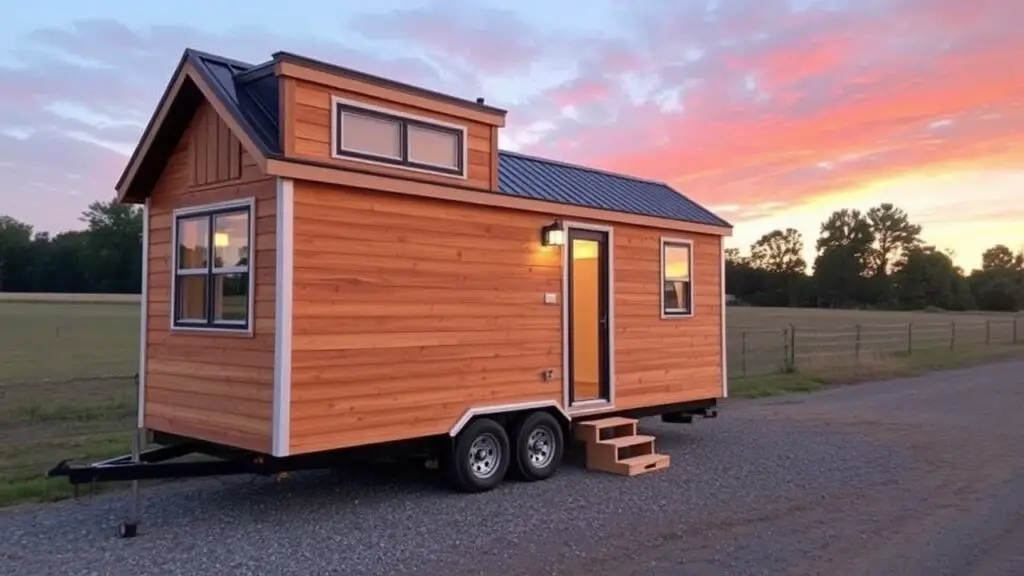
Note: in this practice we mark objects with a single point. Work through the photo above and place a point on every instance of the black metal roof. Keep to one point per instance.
(250, 93)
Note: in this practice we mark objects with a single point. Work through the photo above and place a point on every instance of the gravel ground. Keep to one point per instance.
(915, 476)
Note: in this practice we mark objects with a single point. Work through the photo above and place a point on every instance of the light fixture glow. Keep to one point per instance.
(221, 240)
(553, 234)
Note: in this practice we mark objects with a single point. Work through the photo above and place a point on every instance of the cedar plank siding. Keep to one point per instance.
(663, 361)
(308, 135)
(407, 312)
(211, 386)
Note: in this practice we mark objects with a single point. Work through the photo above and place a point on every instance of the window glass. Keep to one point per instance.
(231, 240)
(433, 147)
(231, 298)
(191, 299)
(676, 282)
(371, 135)
(193, 243)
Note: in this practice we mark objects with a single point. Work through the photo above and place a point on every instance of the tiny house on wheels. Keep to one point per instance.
(337, 260)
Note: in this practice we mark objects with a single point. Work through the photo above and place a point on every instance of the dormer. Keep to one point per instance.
(355, 121)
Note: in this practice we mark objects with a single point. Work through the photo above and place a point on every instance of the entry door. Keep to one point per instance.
(588, 323)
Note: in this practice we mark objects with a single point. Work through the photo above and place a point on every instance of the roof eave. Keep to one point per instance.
(189, 69)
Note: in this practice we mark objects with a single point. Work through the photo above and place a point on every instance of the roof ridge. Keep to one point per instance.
(222, 59)
(583, 167)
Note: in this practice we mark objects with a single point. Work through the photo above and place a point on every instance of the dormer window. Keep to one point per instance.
(369, 134)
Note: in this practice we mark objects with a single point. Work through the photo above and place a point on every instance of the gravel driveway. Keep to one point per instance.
(914, 476)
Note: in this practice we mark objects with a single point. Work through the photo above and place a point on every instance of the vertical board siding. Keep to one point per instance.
(308, 135)
(407, 312)
(211, 386)
(215, 152)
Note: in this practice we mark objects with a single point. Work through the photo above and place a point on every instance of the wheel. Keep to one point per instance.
(127, 529)
(479, 457)
(539, 445)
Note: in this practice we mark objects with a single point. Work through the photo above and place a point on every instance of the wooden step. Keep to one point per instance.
(642, 464)
(604, 428)
(627, 441)
(606, 454)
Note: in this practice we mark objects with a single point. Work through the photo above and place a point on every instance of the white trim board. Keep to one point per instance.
(281, 431)
(500, 409)
(724, 320)
(144, 320)
(567, 225)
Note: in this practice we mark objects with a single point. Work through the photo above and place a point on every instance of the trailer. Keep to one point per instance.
(336, 262)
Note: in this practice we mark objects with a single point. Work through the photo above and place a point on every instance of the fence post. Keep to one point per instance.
(910, 338)
(792, 347)
(988, 332)
(785, 349)
(952, 335)
(743, 353)
(856, 344)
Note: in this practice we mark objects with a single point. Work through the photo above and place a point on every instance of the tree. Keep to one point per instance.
(929, 278)
(114, 246)
(779, 251)
(15, 238)
(844, 245)
(895, 237)
(999, 257)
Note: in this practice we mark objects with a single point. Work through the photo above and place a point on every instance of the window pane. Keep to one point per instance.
(191, 298)
(231, 240)
(433, 147)
(677, 262)
(231, 297)
(677, 295)
(193, 240)
(371, 135)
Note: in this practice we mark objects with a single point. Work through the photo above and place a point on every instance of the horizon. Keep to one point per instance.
(772, 114)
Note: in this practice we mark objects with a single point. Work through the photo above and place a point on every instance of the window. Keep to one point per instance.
(211, 287)
(677, 278)
(370, 135)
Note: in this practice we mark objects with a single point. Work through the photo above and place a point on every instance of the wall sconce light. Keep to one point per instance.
(553, 234)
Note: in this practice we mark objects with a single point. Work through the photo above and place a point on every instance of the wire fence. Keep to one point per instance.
(760, 351)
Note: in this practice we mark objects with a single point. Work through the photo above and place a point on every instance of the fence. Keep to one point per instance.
(757, 351)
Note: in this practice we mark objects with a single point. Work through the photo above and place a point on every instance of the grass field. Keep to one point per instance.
(67, 366)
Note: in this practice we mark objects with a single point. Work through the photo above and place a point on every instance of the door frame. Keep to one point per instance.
(598, 404)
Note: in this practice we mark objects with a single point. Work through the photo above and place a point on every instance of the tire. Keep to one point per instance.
(539, 446)
(479, 457)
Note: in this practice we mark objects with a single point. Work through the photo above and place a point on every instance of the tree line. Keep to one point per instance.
(876, 259)
(104, 258)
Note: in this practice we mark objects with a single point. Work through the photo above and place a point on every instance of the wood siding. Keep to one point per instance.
(216, 153)
(307, 135)
(212, 386)
(662, 361)
(409, 311)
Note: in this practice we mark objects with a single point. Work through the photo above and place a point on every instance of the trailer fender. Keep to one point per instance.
(476, 411)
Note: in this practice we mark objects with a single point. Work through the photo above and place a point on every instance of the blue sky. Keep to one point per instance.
(772, 112)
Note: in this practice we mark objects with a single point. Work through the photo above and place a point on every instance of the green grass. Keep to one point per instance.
(67, 362)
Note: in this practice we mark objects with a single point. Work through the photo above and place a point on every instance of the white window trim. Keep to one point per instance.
(427, 123)
(675, 313)
(245, 326)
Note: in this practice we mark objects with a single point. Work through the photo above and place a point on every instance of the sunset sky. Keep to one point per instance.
(773, 113)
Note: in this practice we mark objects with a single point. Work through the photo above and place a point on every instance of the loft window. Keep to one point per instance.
(212, 265)
(677, 278)
(370, 135)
